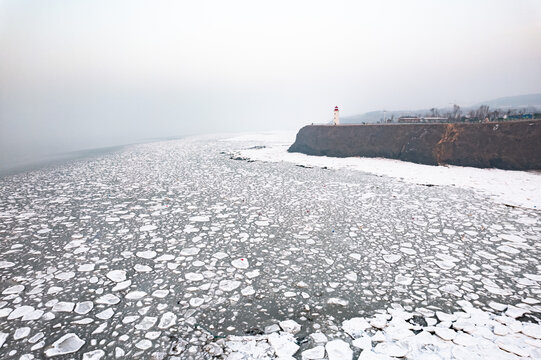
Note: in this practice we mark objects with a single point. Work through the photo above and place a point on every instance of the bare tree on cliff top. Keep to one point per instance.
(456, 111)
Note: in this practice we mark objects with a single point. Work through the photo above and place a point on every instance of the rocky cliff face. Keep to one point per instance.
(508, 145)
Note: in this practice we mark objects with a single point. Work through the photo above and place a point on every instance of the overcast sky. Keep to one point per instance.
(81, 74)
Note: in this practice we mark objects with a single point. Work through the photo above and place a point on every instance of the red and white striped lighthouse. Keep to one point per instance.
(336, 118)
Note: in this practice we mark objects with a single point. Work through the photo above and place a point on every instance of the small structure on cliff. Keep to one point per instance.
(336, 118)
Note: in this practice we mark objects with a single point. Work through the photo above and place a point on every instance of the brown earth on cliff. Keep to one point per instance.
(505, 145)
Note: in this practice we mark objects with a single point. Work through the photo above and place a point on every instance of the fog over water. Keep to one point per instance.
(87, 74)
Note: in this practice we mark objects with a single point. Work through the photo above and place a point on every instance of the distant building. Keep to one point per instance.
(409, 119)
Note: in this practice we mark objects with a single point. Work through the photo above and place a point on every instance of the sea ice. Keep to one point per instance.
(229, 285)
(338, 350)
(67, 344)
(117, 275)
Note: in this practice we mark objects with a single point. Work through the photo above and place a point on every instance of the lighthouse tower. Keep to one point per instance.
(336, 118)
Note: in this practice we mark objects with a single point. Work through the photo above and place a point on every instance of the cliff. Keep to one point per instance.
(505, 145)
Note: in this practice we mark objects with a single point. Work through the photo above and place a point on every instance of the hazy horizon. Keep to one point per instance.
(84, 74)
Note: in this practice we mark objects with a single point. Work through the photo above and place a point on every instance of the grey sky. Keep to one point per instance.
(80, 74)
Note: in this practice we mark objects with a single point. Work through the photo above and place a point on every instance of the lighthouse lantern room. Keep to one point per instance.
(336, 118)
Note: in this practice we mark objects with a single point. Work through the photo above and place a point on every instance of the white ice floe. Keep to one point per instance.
(337, 301)
(67, 344)
(84, 307)
(229, 285)
(86, 267)
(190, 251)
(220, 255)
(117, 275)
(167, 320)
(199, 219)
(147, 254)
(403, 280)
(6, 264)
(148, 228)
(392, 258)
(94, 355)
(290, 326)
(194, 276)
(142, 268)
(108, 299)
(105, 314)
(240, 263)
(121, 285)
(355, 326)
(196, 302)
(15, 289)
(64, 306)
(135, 295)
(338, 350)
(20, 312)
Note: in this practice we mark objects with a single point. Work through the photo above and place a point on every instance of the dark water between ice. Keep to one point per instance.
(177, 217)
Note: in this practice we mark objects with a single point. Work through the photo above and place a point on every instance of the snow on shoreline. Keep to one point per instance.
(395, 333)
(516, 188)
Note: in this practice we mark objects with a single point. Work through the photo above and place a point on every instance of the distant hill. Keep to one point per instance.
(513, 101)
(528, 102)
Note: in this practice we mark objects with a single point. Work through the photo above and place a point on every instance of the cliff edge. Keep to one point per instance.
(505, 145)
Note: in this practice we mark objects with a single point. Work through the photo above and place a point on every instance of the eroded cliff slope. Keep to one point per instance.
(504, 145)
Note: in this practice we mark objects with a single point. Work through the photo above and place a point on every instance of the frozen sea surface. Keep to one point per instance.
(165, 248)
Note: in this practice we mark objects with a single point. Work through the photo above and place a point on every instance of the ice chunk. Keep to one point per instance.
(20, 312)
(146, 323)
(84, 307)
(194, 276)
(121, 285)
(196, 302)
(241, 263)
(117, 275)
(317, 352)
(5, 265)
(21, 333)
(135, 295)
(229, 285)
(403, 280)
(63, 306)
(147, 254)
(167, 320)
(337, 301)
(142, 268)
(15, 289)
(392, 258)
(86, 267)
(93, 355)
(283, 345)
(290, 326)
(355, 326)
(338, 350)
(391, 349)
(108, 299)
(105, 314)
(247, 291)
(189, 251)
(160, 293)
(199, 219)
(67, 344)
(148, 228)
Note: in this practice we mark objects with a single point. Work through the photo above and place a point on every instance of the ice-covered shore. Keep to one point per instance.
(516, 188)
(395, 333)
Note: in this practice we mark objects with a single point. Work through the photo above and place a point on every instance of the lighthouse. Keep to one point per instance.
(336, 118)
